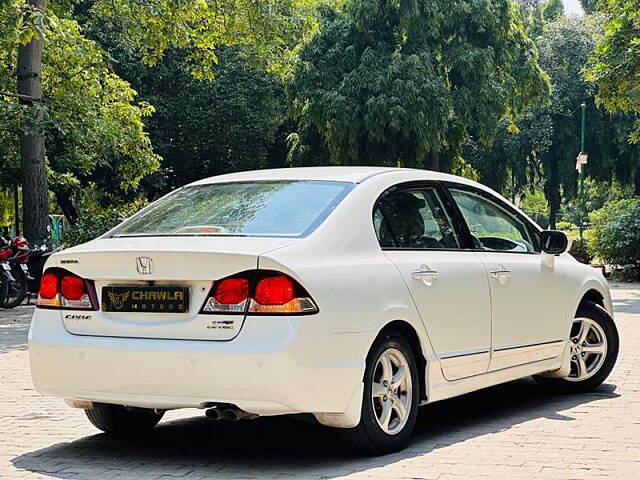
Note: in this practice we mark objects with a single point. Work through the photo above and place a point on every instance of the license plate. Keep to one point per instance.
(145, 299)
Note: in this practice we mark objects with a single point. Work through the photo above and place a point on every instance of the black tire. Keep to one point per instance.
(599, 315)
(16, 290)
(118, 420)
(4, 291)
(368, 437)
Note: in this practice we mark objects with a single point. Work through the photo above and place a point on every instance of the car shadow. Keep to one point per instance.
(272, 447)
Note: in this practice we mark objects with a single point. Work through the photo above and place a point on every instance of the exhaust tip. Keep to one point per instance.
(213, 414)
(230, 414)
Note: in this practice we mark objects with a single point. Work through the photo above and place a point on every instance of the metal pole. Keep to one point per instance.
(583, 108)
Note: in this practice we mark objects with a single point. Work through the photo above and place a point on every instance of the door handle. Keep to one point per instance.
(425, 274)
(502, 274)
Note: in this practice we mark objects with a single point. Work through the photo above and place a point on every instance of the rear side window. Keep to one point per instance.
(414, 219)
(272, 208)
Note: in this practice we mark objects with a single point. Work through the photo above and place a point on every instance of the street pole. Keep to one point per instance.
(583, 108)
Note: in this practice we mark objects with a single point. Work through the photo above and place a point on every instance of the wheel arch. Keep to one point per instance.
(591, 295)
(409, 332)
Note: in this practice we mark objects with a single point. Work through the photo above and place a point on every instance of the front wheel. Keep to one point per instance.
(16, 288)
(390, 399)
(119, 420)
(594, 350)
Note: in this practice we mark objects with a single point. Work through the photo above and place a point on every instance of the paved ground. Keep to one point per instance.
(510, 431)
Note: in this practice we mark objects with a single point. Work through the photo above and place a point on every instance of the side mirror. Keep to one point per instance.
(554, 242)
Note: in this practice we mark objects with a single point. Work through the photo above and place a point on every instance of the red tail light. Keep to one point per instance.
(259, 292)
(48, 286)
(64, 290)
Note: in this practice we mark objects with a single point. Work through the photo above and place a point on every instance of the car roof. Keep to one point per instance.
(340, 174)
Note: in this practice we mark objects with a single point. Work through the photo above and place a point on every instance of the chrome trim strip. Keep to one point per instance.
(525, 345)
(464, 353)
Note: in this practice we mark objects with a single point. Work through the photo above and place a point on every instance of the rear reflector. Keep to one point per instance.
(64, 290)
(259, 292)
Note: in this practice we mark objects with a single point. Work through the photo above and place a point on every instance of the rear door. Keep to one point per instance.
(527, 296)
(448, 285)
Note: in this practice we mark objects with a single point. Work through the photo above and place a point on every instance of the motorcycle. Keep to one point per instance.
(14, 256)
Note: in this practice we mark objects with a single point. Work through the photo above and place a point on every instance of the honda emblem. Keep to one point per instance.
(144, 265)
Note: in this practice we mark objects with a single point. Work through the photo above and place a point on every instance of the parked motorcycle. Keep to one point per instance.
(15, 254)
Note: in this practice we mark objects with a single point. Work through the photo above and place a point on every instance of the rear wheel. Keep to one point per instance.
(390, 399)
(119, 420)
(594, 351)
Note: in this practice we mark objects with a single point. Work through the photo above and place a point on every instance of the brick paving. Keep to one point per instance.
(509, 431)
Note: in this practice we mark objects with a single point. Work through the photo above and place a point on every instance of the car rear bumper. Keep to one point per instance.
(276, 365)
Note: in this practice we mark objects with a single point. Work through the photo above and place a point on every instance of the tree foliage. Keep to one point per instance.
(616, 63)
(91, 120)
(616, 232)
(204, 128)
(395, 83)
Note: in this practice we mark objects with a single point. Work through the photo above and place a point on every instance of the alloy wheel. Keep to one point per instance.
(391, 391)
(588, 349)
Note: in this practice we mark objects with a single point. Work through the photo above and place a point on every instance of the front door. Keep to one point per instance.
(448, 285)
(527, 296)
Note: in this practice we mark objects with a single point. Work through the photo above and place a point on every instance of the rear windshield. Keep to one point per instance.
(270, 208)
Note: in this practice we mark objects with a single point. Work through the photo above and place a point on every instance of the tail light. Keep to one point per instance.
(64, 290)
(259, 292)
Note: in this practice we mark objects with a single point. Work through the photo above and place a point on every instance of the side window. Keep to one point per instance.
(414, 218)
(492, 227)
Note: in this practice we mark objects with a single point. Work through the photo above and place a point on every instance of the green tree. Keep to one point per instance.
(615, 66)
(553, 10)
(589, 6)
(396, 83)
(90, 119)
(203, 128)
(543, 148)
(273, 27)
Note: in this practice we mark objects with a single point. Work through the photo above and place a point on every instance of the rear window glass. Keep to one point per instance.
(270, 208)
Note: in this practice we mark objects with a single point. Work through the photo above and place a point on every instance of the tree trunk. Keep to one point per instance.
(434, 161)
(65, 202)
(553, 214)
(32, 148)
(636, 183)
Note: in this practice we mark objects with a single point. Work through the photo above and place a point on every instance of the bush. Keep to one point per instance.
(615, 237)
(580, 251)
(92, 225)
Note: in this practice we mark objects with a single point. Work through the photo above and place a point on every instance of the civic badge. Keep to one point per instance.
(144, 265)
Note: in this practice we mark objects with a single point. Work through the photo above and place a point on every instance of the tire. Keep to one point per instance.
(4, 291)
(118, 420)
(369, 437)
(17, 290)
(588, 373)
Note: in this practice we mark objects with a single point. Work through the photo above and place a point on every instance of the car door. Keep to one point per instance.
(448, 285)
(527, 296)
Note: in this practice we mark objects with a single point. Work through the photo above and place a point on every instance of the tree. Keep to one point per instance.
(203, 128)
(149, 28)
(552, 10)
(388, 83)
(89, 119)
(32, 146)
(615, 66)
(589, 6)
(543, 148)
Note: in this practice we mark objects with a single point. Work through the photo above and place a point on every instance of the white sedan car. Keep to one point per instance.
(353, 294)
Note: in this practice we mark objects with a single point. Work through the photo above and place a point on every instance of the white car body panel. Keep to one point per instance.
(272, 365)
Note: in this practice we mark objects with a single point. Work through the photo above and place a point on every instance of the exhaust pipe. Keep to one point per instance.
(230, 414)
(213, 413)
